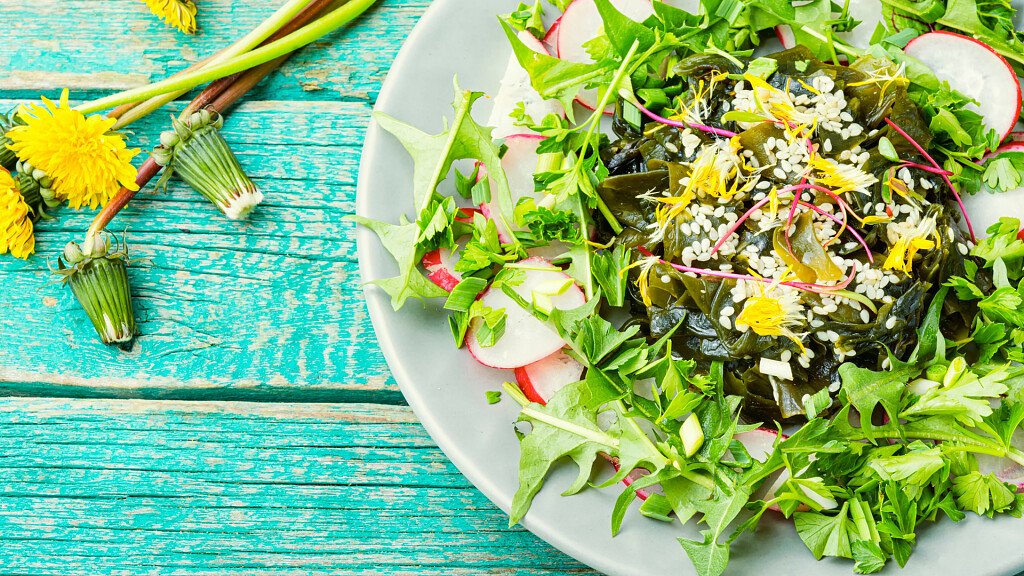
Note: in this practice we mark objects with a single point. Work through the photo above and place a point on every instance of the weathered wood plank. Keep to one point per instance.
(128, 487)
(268, 309)
(97, 47)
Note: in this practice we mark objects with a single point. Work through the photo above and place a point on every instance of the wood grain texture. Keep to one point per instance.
(165, 487)
(94, 47)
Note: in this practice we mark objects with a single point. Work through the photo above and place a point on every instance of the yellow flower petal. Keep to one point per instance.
(178, 13)
(86, 160)
(773, 315)
(16, 233)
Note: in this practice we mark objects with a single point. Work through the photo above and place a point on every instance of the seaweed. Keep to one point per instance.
(649, 162)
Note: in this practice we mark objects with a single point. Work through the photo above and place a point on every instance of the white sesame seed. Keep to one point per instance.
(890, 323)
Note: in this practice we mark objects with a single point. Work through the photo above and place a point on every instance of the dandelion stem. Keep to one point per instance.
(290, 43)
(133, 112)
(219, 98)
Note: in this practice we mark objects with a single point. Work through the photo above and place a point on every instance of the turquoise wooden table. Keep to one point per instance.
(254, 428)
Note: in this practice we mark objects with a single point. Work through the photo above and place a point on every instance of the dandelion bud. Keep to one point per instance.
(203, 159)
(73, 253)
(99, 280)
(168, 138)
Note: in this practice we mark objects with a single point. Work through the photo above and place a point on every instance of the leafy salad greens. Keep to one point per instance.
(687, 245)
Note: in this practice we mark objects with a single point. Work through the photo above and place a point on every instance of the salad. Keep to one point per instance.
(755, 258)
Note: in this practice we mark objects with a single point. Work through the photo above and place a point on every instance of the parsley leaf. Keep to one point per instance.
(983, 494)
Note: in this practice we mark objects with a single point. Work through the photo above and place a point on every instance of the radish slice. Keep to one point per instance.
(581, 23)
(986, 207)
(440, 266)
(1005, 469)
(1015, 137)
(550, 40)
(519, 164)
(691, 6)
(869, 14)
(526, 339)
(975, 70)
(516, 88)
(552, 251)
(539, 381)
(785, 35)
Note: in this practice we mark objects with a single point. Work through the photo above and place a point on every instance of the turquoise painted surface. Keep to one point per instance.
(254, 428)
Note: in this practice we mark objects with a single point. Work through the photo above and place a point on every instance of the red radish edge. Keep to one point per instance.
(540, 380)
(1009, 68)
(550, 40)
(785, 35)
(633, 476)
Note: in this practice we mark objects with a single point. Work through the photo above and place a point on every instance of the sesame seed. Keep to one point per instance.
(890, 323)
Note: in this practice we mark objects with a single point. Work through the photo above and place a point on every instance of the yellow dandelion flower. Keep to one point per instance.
(909, 242)
(774, 313)
(646, 265)
(778, 105)
(178, 13)
(838, 177)
(87, 162)
(16, 234)
(699, 107)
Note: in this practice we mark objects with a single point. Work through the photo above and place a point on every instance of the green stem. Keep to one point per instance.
(245, 44)
(593, 436)
(516, 394)
(595, 121)
(845, 49)
(290, 43)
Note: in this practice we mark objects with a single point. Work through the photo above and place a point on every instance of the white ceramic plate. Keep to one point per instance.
(446, 387)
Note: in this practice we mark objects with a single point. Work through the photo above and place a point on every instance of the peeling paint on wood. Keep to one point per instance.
(202, 488)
